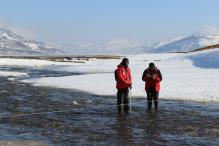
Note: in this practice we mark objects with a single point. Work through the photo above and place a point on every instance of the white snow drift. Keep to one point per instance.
(206, 59)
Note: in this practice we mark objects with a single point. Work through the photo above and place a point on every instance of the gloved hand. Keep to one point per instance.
(153, 76)
(148, 75)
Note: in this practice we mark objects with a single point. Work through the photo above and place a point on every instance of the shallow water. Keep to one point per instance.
(95, 121)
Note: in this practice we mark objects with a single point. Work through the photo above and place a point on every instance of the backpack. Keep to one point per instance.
(116, 75)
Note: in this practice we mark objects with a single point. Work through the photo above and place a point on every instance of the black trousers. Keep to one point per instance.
(122, 98)
(152, 95)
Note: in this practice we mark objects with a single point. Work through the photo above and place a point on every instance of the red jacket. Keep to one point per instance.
(124, 77)
(152, 83)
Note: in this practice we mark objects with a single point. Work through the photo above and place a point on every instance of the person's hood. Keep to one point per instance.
(120, 65)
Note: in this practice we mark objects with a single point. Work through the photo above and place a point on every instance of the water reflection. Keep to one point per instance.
(123, 129)
(152, 127)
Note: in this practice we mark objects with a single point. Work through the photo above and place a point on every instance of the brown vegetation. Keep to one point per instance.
(206, 48)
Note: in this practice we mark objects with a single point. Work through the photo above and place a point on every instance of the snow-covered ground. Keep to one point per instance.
(183, 79)
(191, 76)
(13, 74)
(30, 62)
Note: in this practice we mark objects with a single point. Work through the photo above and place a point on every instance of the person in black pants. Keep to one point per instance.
(152, 78)
(122, 98)
(152, 95)
(123, 84)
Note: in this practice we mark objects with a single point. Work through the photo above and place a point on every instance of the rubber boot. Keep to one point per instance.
(156, 105)
(149, 105)
(126, 108)
(119, 108)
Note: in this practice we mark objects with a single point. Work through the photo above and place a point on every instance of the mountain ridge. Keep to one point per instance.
(13, 44)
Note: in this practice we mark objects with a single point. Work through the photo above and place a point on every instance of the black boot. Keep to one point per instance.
(119, 108)
(149, 105)
(156, 105)
(126, 108)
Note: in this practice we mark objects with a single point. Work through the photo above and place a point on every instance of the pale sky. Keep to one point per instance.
(59, 22)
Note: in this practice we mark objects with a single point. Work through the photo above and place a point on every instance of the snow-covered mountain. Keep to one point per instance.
(180, 44)
(185, 44)
(13, 44)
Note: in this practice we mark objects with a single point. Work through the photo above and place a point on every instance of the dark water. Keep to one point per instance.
(94, 121)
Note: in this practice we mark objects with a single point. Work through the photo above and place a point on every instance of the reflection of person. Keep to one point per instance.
(123, 130)
(124, 83)
(152, 129)
(152, 77)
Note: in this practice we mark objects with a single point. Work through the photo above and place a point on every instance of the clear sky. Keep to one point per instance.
(59, 22)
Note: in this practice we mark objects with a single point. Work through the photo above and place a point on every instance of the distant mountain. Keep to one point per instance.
(186, 44)
(112, 47)
(13, 44)
(180, 44)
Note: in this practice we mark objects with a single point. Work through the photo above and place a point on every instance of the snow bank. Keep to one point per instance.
(102, 84)
(181, 79)
(206, 59)
(12, 74)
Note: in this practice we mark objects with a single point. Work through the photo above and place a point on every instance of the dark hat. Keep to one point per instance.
(151, 65)
(125, 61)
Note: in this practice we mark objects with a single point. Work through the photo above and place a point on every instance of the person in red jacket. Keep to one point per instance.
(152, 77)
(123, 84)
